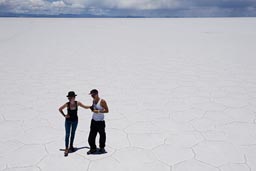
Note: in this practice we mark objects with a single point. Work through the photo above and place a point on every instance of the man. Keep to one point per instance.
(98, 108)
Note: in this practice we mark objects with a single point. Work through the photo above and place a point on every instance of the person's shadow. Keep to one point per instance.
(80, 148)
(76, 149)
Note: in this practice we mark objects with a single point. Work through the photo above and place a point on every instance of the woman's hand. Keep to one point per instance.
(92, 108)
(67, 116)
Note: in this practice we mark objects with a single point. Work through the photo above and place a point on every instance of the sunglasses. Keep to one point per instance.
(93, 95)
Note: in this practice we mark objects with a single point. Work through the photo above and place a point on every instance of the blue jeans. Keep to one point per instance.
(70, 126)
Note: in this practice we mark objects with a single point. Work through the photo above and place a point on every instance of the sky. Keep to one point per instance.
(144, 8)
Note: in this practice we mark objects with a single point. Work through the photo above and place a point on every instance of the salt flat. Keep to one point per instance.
(181, 93)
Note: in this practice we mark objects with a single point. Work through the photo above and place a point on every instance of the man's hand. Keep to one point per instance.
(96, 111)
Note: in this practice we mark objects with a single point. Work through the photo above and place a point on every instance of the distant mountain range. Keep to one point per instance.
(129, 14)
(64, 16)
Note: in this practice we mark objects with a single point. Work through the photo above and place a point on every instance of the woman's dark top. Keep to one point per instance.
(72, 113)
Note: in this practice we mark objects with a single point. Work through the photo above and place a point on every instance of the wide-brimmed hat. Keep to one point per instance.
(71, 94)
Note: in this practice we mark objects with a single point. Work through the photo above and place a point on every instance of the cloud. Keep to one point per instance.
(37, 7)
(130, 4)
(132, 7)
(58, 4)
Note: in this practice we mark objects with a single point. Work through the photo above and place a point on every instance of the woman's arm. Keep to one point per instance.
(61, 110)
(83, 106)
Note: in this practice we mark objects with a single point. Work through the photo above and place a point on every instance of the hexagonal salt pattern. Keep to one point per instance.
(27, 155)
(181, 93)
(193, 165)
(137, 159)
(172, 154)
(221, 153)
(23, 169)
(58, 162)
(235, 167)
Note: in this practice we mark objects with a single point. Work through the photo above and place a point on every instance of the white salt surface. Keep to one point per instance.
(181, 93)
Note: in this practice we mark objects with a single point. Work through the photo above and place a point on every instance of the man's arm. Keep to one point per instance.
(103, 103)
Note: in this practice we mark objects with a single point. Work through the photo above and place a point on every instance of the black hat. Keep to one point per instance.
(71, 94)
(93, 92)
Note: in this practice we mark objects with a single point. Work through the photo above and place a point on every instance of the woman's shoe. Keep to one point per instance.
(66, 152)
(72, 149)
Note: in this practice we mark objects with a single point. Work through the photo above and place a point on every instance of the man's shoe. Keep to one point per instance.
(91, 151)
(102, 150)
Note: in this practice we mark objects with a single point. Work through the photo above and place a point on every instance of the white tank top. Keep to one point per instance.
(98, 116)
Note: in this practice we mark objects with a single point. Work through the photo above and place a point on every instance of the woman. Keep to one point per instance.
(71, 120)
